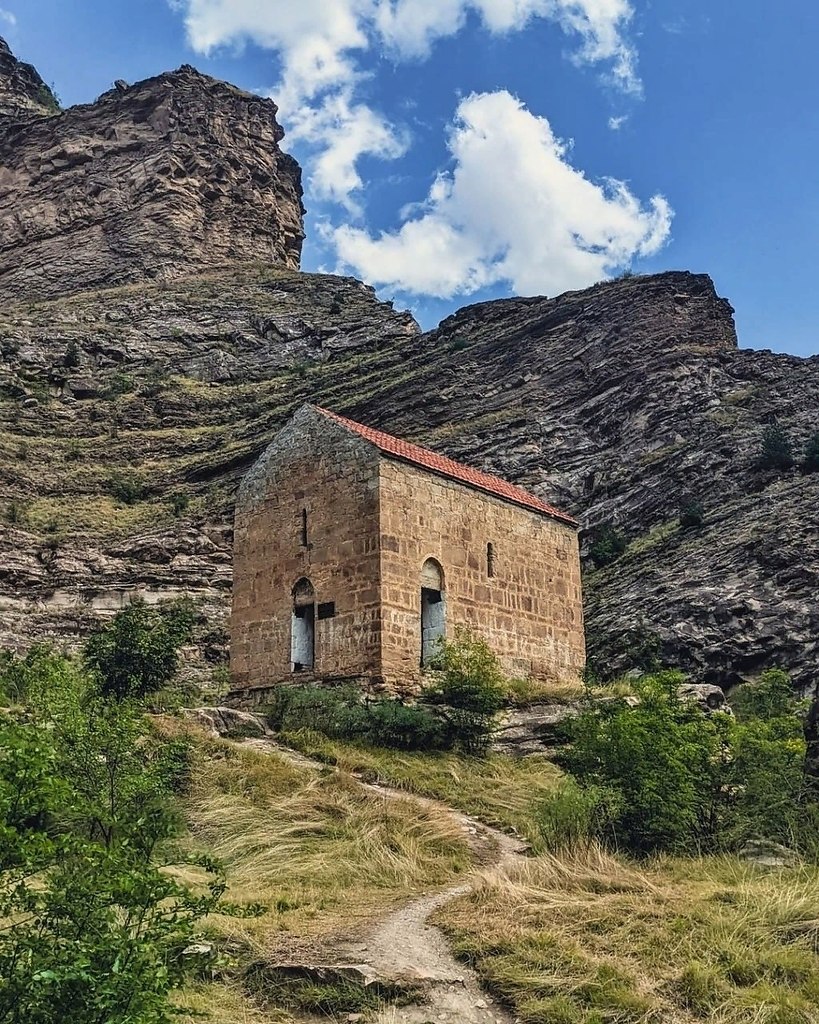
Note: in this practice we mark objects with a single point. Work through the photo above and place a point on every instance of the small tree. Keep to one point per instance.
(607, 546)
(810, 463)
(100, 925)
(137, 653)
(468, 686)
(692, 514)
(661, 761)
(775, 449)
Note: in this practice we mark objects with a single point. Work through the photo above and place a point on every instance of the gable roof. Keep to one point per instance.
(404, 451)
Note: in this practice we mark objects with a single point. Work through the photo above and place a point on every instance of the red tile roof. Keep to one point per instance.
(429, 460)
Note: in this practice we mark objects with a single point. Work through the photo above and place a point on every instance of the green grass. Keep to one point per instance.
(586, 938)
(501, 791)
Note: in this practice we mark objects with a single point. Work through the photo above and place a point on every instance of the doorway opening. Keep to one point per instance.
(433, 610)
(303, 627)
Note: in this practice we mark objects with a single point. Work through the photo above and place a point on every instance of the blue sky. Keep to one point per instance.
(457, 150)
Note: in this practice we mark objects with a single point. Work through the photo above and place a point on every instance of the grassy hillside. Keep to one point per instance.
(586, 937)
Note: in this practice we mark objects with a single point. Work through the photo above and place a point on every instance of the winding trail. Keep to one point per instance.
(404, 947)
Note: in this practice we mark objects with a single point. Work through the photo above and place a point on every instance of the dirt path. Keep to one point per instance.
(404, 947)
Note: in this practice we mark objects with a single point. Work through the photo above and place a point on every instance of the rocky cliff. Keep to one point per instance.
(127, 418)
(23, 93)
(128, 415)
(172, 175)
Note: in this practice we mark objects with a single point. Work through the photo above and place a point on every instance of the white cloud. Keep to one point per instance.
(320, 44)
(616, 123)
(8, 17)
(343, 131)
(512, 210)
(411, 26)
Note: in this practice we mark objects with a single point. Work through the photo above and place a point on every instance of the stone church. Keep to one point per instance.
(356, 551)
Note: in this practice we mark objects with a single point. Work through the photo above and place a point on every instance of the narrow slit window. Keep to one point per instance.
(490, 559)
(304, 538)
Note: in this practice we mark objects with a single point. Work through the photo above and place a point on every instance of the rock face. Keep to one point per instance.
(174, 174)
(23, 94)
(127, 418)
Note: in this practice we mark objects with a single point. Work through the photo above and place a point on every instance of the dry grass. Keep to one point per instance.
(218, 1003)
(317, 850)
(501, 791)
(585, 938)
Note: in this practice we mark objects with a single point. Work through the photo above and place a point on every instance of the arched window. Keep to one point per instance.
(303, 627)
(433, 609)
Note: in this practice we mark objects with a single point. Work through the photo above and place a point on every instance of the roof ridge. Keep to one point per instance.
(426, 458)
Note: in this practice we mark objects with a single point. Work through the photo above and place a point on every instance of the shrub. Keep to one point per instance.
(810, 462)
(576, 816)
(663, 760)
(71, 357)
(770, 696)
(692, 515)
(179, 503)
(468, 687)
(15, 513)
(341, 713)
(680, 780)
(457, 707)
(137, 653)
(775, 450)
(607, 546)
(100, 925)
(126, 487)
(121, 384)
(405, 726)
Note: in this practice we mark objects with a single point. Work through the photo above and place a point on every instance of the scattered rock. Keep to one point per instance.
(709, 697)
(769, 854)
(532, 730)
(227, 722)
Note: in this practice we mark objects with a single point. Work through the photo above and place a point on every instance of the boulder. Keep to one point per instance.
(228, 723)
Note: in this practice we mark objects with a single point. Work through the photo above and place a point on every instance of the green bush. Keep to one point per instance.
(609, 543)
(663, 760)
(86, 816)
(810, 462)
(457, 708)
(71, 357)
(126, 487)
(674, 778)
(692, 515)
(770, 696)
(137, 653)
(576, 815)
(342, 713)
(405, 726)
(775, 449)
(468, 687)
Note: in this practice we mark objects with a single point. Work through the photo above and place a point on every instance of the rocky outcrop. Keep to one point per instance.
(127, 418)
(226, 723)
(172, 175)
(23, 94)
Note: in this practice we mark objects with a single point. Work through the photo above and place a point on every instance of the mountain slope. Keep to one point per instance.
(128, 416)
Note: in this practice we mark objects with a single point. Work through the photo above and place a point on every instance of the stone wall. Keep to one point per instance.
(317, 466)
(530, 610)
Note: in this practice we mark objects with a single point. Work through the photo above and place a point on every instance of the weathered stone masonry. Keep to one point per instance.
(348, 555)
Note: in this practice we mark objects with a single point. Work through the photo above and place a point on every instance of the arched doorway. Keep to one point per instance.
(433, 609)
(303, 628)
